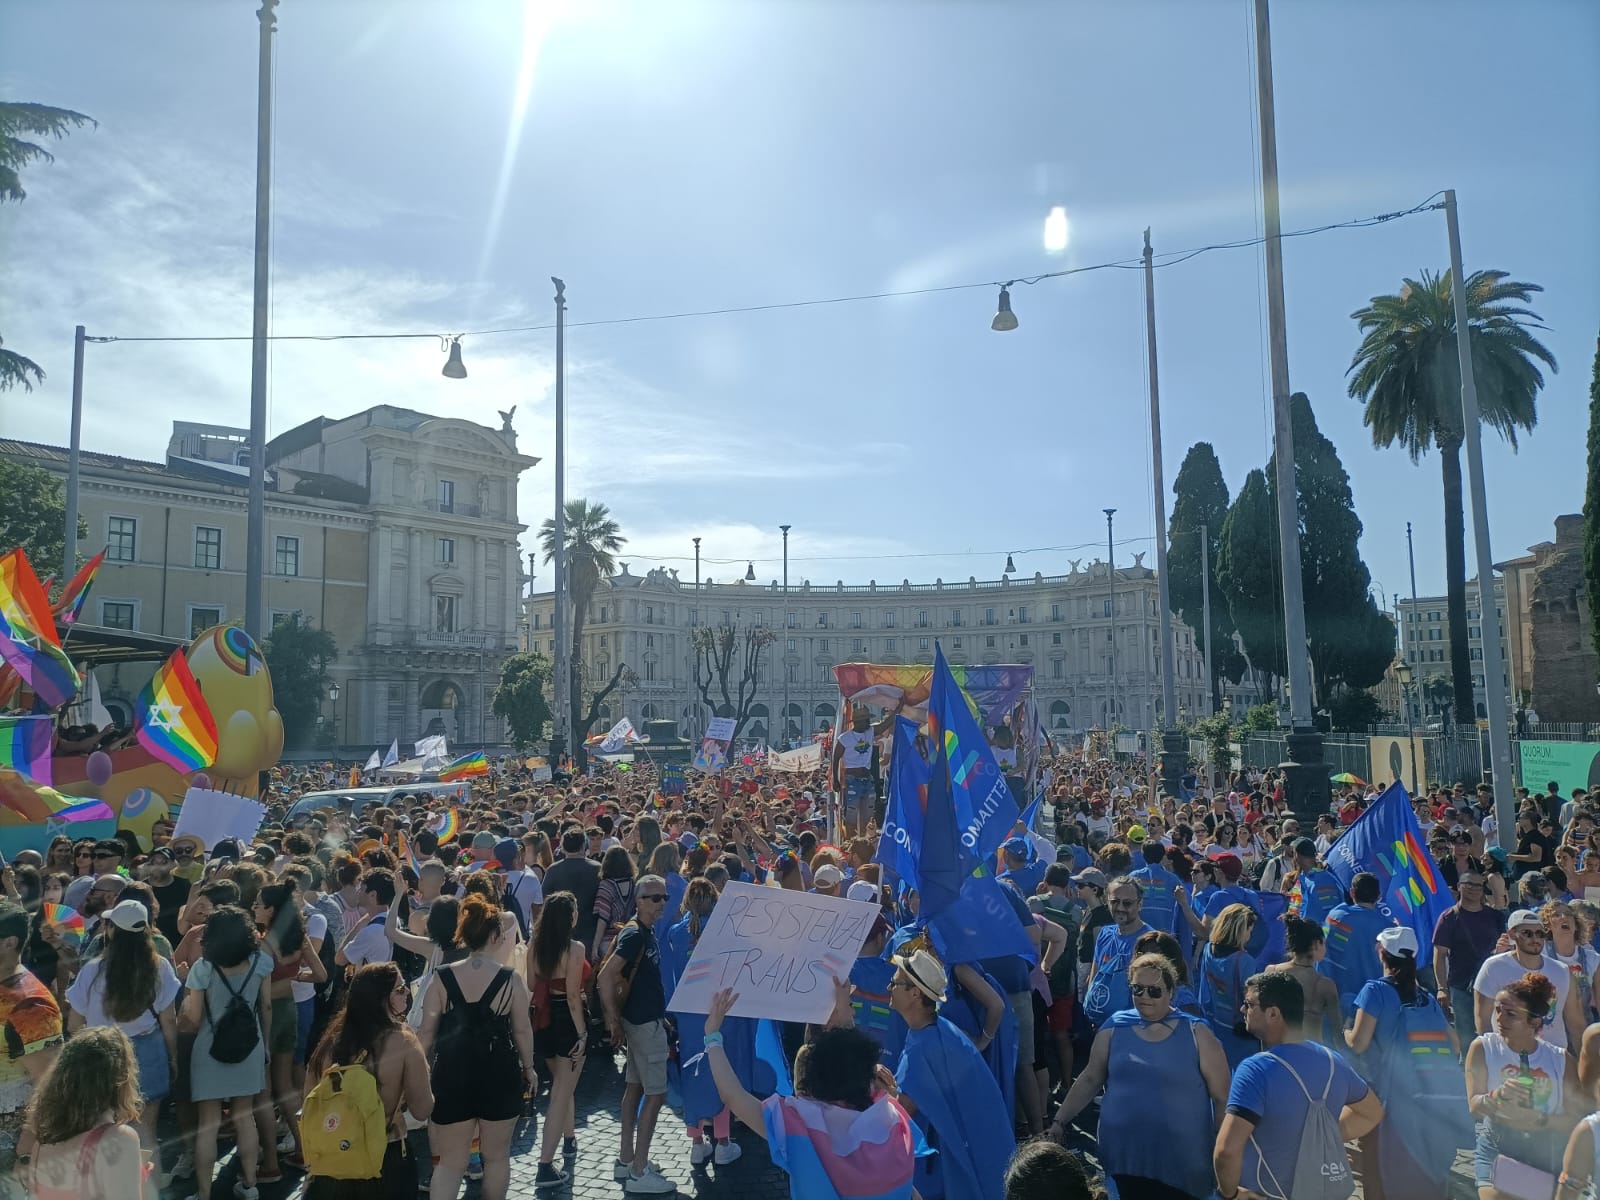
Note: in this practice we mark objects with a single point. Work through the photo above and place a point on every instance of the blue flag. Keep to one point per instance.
(941, 864)
(985, 811)
(1031, 813)
(1387, 841)
(901, 840)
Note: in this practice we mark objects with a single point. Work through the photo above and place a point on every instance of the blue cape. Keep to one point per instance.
(960, 1112)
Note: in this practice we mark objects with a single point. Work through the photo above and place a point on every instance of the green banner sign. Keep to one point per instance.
(1570, 764)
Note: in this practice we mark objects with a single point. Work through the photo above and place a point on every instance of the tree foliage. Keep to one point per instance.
(1591, 506)
(1247, 570)
(519, 698)
(1351, 641)
(1407, 373)
(727, 658)
(298, 654)
(593, 541)
(1218, 735)
(1354, 710)
(33, 515)
(1200, 500)
(20, 123)
(1259, 718)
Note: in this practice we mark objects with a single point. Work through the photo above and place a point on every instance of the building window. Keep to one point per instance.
(122, 535)
(955, 643)
(922, 618)
(602, 614)
(649, 614)
(791, 620)
(1436, 635)
(286, 555)
(536, 620)
(955, 617)
(649, 670)
(447, 550)
(1055, 639)
(1058, 668)
(822, 620)
(1024, 641)
(789, 673)
(207, 548)
(988, 642)
(447, 495)
(202, 619)
(988, 616)
(791, 646)
(116, 614)
(1107, 604)
(1022, 615)
(922, 643)
(855, 620)
(1055, 612)
(444, 614)
(858, 645)
(888, 619)
(890, 644)
(649, 641)
(822, 645)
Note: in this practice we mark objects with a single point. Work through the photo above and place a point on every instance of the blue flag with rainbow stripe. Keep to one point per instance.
(1387, 841)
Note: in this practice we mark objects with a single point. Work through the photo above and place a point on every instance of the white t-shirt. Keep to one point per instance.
(1499, 970)
(87, 997)
(857, 748)
(316, 929)
(370, 944)
(525, 887)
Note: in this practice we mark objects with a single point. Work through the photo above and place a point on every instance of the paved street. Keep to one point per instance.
(753, 1177)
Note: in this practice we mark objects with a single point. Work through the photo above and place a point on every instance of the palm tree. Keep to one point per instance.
(1407, 374)
(592, 542)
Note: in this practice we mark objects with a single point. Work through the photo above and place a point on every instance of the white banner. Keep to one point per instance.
(720, 729)
(780, 950)
(807, 758)
(211, 816)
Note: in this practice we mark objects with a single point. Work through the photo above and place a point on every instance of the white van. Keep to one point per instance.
(355, 801)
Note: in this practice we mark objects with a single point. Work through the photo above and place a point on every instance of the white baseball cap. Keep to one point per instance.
(863, 889)
(129, 914)
(1397, 940)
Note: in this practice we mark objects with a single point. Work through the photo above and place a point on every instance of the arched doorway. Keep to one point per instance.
(442, 710)
(822, 717)
(756, 728)
(1060, 714)
(794, 720)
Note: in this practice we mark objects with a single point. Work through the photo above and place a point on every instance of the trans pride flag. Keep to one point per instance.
(173, 721)
(1387, 841)
(834, 1153)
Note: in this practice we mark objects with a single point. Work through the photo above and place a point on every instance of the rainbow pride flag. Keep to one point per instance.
(25, 746)
(449, 826)
(173, 721)
(466, 767)
(28, 638)
(69, 920)
(69, 605)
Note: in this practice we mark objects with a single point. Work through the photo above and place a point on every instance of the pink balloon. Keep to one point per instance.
(98, 768)
(200, 780)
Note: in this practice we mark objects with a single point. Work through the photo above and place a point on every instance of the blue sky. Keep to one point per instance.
(690, 155)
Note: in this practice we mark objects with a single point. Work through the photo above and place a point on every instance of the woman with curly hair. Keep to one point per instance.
(277, 916)
(85, 1147)
(371, 1029)
(133, 988)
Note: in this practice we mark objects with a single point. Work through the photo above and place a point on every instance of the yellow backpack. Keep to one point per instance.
(343, 1128)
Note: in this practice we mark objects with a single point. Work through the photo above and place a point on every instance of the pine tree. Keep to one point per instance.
(1200, 498)
(1247, 569)
(1351, 641)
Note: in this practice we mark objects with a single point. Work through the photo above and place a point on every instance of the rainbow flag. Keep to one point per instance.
(69, 606)
(25, 746)
(173, 721)
(28, 634)
(465, 767)
(69, 920)
(449, 827)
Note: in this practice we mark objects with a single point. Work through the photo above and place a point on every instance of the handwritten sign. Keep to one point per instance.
(673, 782)
(212, 816)
(779, 950)
(719, 729)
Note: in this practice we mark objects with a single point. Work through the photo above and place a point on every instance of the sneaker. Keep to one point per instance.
(285, 1144)
(651, 1183)
(620, 1170)
(240, 1192)
(549, 1175)
(698, 1153)
(726, 1153)
(184, 1167)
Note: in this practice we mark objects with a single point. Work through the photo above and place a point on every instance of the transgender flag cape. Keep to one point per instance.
(834, 1153)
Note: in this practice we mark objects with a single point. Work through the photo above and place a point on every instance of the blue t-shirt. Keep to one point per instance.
(1108, 993)
(1352, 960)
(1266, 1094)
(1320, 893)
(1026, 878)
(1160, 908)
(1012, 972)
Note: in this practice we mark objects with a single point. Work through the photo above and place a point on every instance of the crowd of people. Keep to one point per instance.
(372, 1000)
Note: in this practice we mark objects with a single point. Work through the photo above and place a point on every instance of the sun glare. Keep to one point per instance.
(1055, 230)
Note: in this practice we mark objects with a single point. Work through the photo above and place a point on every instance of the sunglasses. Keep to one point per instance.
(1153, 991)
(902, 983)
(1538, 933)
(658, 897)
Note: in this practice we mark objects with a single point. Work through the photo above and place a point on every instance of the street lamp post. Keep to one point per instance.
(785, 529)
(699, 713)
(558, 557)
(333, 698)
(256, 505)
(1111, 611)
(1403, 676)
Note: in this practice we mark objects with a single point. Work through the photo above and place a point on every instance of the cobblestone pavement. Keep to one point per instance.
(752, 1177)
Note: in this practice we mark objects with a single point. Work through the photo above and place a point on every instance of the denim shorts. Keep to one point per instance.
(155, 1074)
(858, 793)
(305, 1012)
(1539, 1148)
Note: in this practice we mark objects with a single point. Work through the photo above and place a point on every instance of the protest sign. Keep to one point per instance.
(713, 752)
(780, 950)
(805, 759)
(211, 816)
(719, 729)
(673, 782)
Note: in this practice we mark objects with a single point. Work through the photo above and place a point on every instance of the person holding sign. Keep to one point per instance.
(843, 1098)
(948, 1089)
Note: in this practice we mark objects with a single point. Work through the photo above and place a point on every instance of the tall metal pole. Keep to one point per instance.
(1308, 786)
(1173, 743)
(699, 714)
(1205, 618)
(785, 529)
(1411, 556)
(558, 560)
(255, 542)
(1111, 611)
(69, 555)
(1494, 666)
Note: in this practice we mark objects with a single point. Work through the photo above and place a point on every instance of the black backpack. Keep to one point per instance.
(236, 1033)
